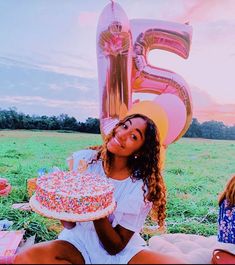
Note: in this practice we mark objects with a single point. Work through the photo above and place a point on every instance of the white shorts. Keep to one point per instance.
(94, 253)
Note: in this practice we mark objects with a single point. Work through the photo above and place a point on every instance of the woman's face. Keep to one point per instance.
(128, 137)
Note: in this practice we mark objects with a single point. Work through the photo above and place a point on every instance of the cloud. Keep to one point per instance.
(217, 35)
(55, 87)
(58, 62)
(201, 99)
(88, 19)
(80, 109)
(194, 11)
(31, 100)
(204, 10)
(205, 108)
(70, 63)
(18, 79)
(221, 114)
(69, 70)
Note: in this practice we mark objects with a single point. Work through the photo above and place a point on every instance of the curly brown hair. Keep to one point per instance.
(229, 192)
(146, 167)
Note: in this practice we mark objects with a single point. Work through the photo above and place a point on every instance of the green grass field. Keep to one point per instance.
(195, 171)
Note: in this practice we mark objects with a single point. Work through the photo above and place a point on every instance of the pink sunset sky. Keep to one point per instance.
(59, 37)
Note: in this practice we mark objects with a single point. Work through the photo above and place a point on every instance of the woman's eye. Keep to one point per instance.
(124, 126)
(134, 136)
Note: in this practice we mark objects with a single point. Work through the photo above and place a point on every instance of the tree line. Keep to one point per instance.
(11, 119)
(210, 130)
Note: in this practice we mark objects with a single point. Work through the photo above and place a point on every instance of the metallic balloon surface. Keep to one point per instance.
(123, 68)
(169, 36)
(114, 58)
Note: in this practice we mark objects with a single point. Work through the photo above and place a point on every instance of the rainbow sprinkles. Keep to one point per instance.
(72, 196)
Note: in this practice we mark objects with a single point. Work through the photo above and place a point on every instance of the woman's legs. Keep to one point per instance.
(152, 257)
(52, 252)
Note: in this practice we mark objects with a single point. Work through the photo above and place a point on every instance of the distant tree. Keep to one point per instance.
(93, 125)
(40, 122)
(68, 123)
(213, 130)
(3, 120)
(13, 118)
(27, 122)
(230, 133)
(194, 129)
(54, 123)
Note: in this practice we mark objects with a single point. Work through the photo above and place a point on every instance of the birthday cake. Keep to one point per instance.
(72, 196)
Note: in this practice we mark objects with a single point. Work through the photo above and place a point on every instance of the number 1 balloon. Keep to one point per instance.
(114, 57)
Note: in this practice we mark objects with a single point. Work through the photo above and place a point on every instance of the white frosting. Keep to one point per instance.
(37, 207)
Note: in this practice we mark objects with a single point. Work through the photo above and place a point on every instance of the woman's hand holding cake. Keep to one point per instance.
(68, 225)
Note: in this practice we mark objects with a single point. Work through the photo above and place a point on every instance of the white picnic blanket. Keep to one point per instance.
(194, 249)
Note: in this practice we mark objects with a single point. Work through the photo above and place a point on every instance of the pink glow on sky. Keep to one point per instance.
(210, 66)
(88, 19)
(61, 38)
(207, 10)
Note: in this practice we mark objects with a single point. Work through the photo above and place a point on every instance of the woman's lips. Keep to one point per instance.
(118, 142)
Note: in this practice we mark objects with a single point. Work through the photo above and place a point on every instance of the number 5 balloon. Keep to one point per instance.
(169, 36)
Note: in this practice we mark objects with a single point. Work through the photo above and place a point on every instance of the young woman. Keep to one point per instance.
(130, 158)
(226, 218)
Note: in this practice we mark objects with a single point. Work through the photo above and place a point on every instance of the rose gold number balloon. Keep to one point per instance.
(169, 36)
(123, 68)
(114, 57)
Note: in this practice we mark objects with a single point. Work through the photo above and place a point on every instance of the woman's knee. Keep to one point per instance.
(67, 251)
(31, 254)
(50, 252)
